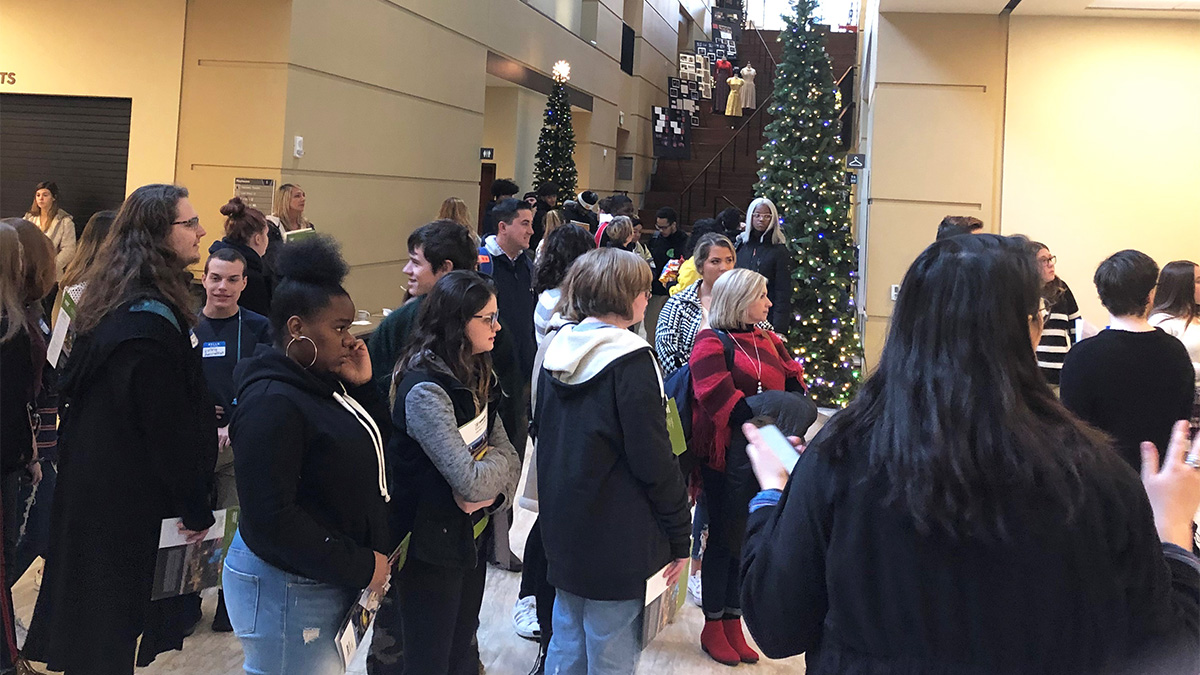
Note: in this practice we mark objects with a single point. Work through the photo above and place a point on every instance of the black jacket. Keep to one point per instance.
(138, 444)
(515, 301)
(16, 393)
(833, 571)
(308, 472)
(539, 222)
(665, 249)
(422, 500)
(257, 296)
(612, 505)
(774, 262)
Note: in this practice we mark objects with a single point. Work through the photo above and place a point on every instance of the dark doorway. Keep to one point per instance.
(79, 142)
(487, 176)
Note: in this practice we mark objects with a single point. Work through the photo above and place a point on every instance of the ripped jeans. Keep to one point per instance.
(287, 624)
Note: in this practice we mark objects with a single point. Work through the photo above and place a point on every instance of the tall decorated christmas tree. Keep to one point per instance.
(556, 143)
(799, 172)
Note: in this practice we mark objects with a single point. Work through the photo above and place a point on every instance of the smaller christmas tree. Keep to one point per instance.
(556, 143)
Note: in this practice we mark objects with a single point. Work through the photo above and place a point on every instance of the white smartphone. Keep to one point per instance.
(780, 445)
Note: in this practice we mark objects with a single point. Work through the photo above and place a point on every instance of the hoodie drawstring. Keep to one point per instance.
(364, 418)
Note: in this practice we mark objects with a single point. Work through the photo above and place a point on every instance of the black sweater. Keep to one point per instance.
(774, 262)
(1134, 386)
(834, 572)
(16, 393)
(257, 296)
(307, 472)
(612, 505)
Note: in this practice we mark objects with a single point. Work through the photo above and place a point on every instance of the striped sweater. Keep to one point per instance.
(721, 394)
(1058, 331)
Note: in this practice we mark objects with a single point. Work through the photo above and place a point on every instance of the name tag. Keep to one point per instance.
(212, 350)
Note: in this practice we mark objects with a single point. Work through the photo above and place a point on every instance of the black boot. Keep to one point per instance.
(220, 622)
(539, 666)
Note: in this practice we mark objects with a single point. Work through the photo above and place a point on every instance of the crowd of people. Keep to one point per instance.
(977, 508)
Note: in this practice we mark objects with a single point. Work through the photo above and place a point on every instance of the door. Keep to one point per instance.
(487, 176)
(79, 142)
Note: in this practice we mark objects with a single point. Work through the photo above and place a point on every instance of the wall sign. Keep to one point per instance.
(856, 161)
(257, 193)
(8, 78)
(487, 153)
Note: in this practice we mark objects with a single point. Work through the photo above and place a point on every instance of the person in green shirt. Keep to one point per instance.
(433, 250)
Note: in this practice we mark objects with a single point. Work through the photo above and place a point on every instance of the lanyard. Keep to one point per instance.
(239, 348)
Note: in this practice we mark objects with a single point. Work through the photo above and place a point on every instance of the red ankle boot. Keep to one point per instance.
(737, 640)
(715, 644)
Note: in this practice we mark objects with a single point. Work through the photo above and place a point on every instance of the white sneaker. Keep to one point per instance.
(694, 588)
(524, 618)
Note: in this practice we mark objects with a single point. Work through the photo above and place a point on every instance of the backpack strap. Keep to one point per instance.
(727, 343)
(156, 307)
(484, 261)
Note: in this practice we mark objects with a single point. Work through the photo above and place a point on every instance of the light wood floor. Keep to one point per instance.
(676, 651)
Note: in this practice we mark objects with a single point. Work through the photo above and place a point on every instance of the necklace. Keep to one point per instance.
(756, 360)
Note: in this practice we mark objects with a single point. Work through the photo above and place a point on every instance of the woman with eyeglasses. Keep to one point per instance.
(1060, 314)
(452, 466)
(762, 247)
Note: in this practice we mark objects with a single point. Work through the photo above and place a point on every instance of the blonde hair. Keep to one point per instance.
(603, 281)
(12, 279)
(732, 295)
(283, 198)
(706, 244)
(455, 209)
(619, 229)
(553, 221)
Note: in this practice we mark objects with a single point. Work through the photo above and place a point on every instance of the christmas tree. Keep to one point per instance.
(799, 172)
(556, 143)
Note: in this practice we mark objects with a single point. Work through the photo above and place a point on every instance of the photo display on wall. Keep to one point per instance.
(672, 133)
(706, 48)
(684, 96)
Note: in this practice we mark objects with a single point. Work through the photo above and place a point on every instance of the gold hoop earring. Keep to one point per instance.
(302, 337)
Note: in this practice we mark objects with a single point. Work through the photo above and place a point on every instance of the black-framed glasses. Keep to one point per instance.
(192, 223)
(1048, 261)
(493, 318)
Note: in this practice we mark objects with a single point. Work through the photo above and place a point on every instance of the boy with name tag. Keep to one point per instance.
(226, 334)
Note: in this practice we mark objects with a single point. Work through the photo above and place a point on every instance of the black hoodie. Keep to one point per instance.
(257, 296)
(308, 470)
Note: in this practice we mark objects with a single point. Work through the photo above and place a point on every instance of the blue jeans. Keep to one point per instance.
(287, 624)
(36, 538)
(594, 637)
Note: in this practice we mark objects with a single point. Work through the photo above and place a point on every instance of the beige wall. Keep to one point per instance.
(232, 101)
(936, 135)
(1103, 142)
(393, 102)
(92, 56)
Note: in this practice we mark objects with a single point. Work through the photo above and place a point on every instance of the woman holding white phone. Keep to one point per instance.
(732, 361)
(955, 517)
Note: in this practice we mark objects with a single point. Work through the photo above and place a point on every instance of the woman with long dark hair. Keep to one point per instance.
(308, 436)
(559, 252)
(1177, 309)
(1059, 329)
(246, 232)
(453, 465)
(54, 222)
(88, 246)
(138, 443)
(955, 517)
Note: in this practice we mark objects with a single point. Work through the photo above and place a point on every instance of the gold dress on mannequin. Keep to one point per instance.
(734, 107)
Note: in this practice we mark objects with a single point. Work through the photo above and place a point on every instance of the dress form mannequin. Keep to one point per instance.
(721, 94)
(749, 93)
(734, 107)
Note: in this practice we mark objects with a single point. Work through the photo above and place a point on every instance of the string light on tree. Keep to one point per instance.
(556, 143)
(800, 174)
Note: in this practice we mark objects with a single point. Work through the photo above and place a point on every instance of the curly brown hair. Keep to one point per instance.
(136, 258)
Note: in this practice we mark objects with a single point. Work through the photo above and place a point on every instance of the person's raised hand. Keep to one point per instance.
(1174, 489)
(357, 369)
(767, 467)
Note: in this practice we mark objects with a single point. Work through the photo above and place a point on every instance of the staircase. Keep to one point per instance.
(724, 164)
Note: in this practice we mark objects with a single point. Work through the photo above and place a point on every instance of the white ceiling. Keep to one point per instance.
(1190, 9)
